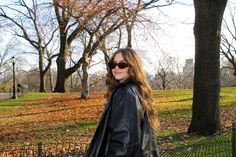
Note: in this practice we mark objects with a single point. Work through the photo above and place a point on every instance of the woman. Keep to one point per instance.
(129, 118)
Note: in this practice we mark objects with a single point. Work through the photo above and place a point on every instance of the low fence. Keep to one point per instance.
(4, 96)
(219, 145)
(70, 149)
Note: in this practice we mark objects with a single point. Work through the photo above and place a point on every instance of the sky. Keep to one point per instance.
(177, 38)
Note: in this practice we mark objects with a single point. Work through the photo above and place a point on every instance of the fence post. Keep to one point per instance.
(234, 139)
(40, 149)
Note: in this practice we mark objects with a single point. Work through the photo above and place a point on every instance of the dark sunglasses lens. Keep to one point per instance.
(112, 65)
(122, 65)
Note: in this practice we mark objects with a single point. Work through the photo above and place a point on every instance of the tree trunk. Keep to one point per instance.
(129, 32)
(41, 73)
(71, 80)
(207, 31)
(51, 79)
(42, 82)
(61, 64)
(85, 79)
(60, 83)
(234, 66)
(105, 53)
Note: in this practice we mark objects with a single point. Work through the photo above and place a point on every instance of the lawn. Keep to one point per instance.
(56, 117)
(9, 104)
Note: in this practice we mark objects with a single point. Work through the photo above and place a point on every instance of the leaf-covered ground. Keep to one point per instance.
(59, 117)
(66, 117)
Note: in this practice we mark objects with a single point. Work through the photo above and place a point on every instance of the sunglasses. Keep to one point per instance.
(121, 65)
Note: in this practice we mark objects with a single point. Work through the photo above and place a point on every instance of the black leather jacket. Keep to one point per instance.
(121, 132)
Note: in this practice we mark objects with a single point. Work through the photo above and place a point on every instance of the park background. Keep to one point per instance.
(33, 44)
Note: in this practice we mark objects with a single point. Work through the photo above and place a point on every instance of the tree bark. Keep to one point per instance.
(129, 32)
(50, 79)
(85, 78)
(207, 32)
(41, 71)
(61, 69)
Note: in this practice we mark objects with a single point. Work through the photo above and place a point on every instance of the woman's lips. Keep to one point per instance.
(117, 73)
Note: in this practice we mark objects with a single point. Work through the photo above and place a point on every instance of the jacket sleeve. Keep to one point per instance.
(124, 125)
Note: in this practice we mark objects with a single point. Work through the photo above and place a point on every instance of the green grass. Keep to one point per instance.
(178, 103)
(8, 104)
(61, 131)
(175, 104)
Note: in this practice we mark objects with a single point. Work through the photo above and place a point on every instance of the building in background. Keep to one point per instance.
(188, 68)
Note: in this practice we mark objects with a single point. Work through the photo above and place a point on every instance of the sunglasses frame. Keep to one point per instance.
(121, 65)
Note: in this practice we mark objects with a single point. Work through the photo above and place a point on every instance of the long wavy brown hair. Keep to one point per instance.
(138, 75)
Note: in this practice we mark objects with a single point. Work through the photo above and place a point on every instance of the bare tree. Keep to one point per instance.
(111, 42)
(7, 49)
(5, 58)
(228, 41)
(131, 11)
(227, 77)
(30, 21)
(165, 73)
(129, 20)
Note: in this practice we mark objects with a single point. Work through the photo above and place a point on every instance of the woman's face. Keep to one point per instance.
(118, 73)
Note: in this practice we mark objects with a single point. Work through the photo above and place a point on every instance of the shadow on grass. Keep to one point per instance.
(183, 144)
(230, 105)
(44, 112)
(181, 100)
(59, 132)
(81, 128)
(175, 113)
